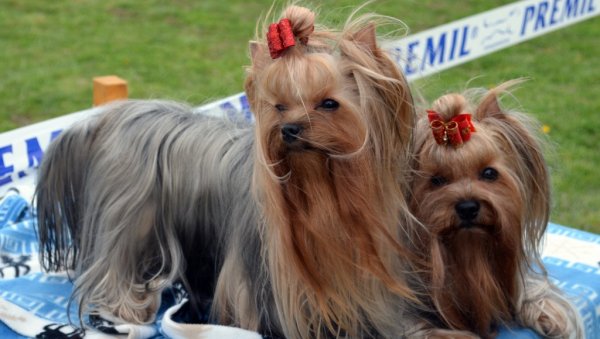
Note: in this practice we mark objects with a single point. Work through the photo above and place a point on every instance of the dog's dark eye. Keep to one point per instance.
(280, 107)
(438, 181)
(489, 174)
(329, 105)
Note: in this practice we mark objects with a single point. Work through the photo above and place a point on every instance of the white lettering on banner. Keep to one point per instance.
(419, 55)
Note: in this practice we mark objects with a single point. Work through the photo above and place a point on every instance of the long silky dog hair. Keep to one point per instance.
(292, 226)
(485, 202)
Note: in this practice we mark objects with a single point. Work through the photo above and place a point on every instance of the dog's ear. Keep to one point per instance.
(489, 107)
(257, 55)
(367, 37)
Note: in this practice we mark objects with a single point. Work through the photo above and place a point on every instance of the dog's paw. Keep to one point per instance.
(551, 327)
(138, 309)
(548, 317)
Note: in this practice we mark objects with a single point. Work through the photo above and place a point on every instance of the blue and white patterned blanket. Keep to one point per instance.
(34, 304)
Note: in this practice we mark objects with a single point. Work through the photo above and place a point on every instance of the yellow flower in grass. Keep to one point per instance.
(545, 129)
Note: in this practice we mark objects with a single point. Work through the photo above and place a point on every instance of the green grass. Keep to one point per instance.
(196, 51)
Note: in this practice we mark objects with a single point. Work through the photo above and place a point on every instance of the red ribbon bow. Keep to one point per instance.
(280, 37)
(454, 132)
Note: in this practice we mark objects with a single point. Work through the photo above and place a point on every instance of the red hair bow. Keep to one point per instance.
(454, 132)
(280, 37)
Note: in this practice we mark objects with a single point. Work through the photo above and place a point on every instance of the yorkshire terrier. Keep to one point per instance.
(482, 192)
(292, 226)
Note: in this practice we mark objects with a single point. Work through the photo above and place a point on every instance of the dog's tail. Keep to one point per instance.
(58, 195)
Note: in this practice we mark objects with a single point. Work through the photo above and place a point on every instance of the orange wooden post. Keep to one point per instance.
(109, 88)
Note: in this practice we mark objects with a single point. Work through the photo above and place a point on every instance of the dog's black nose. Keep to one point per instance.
(467, 209)
(290, 132)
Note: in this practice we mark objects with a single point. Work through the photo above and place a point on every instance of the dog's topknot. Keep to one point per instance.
(302, 19)
(450, 105)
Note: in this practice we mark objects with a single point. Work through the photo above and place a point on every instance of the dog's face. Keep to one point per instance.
(483, 204)
(472, 189)
(307, 105)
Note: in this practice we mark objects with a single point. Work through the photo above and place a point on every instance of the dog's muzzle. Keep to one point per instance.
(290, 133)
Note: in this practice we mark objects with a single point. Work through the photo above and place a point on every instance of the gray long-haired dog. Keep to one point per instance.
(290, 227)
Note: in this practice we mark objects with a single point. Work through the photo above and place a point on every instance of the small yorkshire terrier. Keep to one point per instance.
(482, 192)
(291, 227)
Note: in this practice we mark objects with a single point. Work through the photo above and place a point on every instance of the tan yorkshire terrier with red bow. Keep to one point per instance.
(482, 192)
(292, 226)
